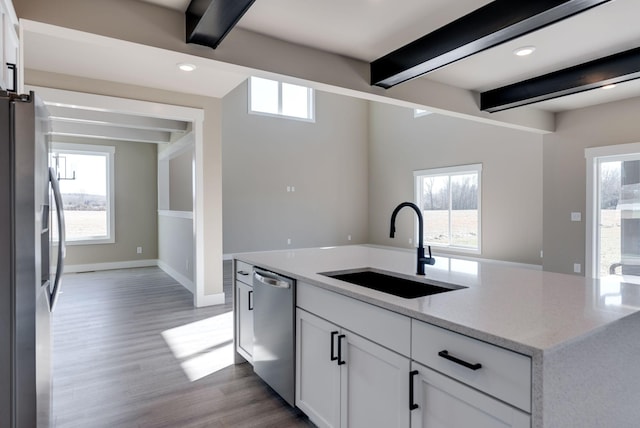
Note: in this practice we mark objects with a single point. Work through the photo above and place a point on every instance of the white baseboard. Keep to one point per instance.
(110, 266)
(210, 300)
(183, 280)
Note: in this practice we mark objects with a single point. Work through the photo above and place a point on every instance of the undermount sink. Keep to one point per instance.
(392, 283)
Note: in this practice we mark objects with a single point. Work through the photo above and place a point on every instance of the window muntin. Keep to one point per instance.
(271, 97)
(450, 203)
(86, 183)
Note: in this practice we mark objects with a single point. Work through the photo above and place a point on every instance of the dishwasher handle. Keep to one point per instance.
(273, 282)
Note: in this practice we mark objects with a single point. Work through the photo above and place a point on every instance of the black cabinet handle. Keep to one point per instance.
(333, 339)
(445, 354)
(340, 360)
(14, 69)
(412, 404)
(243, 273)
(250, 300)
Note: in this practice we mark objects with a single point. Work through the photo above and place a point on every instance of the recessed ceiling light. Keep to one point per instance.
(186, 67)
(524, 51)
(609, 86)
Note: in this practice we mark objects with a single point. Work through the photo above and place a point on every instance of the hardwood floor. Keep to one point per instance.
(130, 350)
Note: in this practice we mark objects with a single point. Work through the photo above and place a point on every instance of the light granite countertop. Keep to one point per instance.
(516, 307)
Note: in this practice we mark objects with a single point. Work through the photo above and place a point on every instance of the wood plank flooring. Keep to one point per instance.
(130, 350)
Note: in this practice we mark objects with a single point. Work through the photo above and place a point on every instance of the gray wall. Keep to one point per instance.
(181, 182)
(325, 161)
(135, 167)
(511, 176)
(565, 174)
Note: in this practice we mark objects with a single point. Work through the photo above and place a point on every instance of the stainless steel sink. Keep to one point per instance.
(394, 283)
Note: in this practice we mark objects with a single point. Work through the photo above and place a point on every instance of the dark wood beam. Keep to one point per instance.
(617, 68)
(209, 21)
(489, 26)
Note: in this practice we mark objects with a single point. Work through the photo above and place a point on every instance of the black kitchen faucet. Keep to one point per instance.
(422, 260)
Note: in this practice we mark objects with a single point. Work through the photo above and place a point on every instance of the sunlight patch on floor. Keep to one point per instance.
(202, 347)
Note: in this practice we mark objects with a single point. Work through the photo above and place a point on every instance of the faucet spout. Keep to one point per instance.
(421, 259)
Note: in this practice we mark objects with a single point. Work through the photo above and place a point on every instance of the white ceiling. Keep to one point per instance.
(366, 30)
(369, 29)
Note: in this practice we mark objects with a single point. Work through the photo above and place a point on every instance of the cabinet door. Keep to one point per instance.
(374, 385)
(244, 308)
(11, 48)
(317, 370)
(446, 403)
(4, 21)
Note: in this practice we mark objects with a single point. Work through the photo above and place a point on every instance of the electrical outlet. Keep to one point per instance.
(541, 254)
(293, 188)
(577, 268)
(288, 241)
(576, 216)
(348, 237)
(139, 250)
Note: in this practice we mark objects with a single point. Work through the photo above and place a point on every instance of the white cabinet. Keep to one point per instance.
(345, 380)
(456, 381)
(9, 54)
(244, 310)
(317, 371)
(503, 374)
(445, 403)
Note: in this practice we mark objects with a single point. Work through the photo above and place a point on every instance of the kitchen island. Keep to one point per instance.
(580, 337)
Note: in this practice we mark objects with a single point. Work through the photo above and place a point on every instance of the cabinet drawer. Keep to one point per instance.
(384, 327)
(244, 272)
(504, 374)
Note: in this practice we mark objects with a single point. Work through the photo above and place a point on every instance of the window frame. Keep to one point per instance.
(311, 114)
(450, 171)
(594, 157)
(109, 153)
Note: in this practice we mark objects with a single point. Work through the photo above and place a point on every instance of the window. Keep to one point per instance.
(613, 210)
(86, 182)
(275, 98)
(450, 203)
(418, 112)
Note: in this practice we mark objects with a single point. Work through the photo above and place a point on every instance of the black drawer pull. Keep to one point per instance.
(243, 273)
(333, 351)
(340, 360)
(250, 300)
(412, 404)
(445, 354)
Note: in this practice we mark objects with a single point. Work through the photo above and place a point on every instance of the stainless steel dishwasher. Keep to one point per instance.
(274, 331)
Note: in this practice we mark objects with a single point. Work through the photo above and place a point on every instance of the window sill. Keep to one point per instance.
(448, 249)
(88, 242)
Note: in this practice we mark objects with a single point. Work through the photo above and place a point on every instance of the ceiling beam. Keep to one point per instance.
(209, 21)
(486, 27)
(613, 69)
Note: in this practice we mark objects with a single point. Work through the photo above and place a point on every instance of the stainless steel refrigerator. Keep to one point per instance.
(28, 292)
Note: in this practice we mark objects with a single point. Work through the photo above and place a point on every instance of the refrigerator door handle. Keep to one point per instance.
(62, 244)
